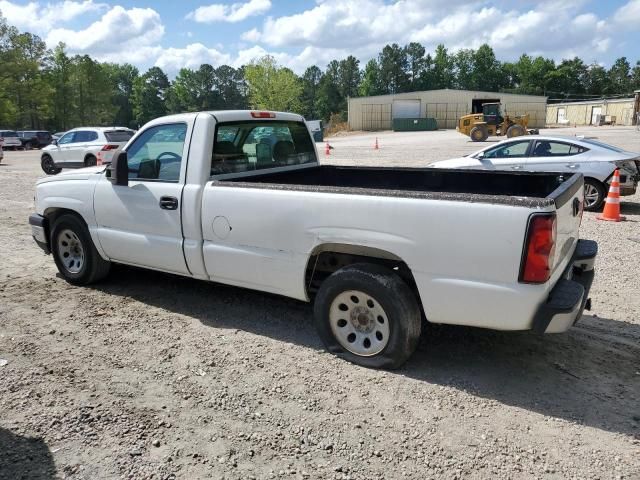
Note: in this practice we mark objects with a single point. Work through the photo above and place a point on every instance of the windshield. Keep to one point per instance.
(603, 145)
(254, 145)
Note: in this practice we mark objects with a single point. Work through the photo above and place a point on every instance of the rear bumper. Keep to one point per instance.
(39, 231)
(570, 295)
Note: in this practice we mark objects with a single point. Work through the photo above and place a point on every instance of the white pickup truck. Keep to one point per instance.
(239, 198)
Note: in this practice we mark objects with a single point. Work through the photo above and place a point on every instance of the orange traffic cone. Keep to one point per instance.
(327, 149)
(611, 211)
(375, 147)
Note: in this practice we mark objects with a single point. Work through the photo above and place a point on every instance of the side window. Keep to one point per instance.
(547, 148)
(82, 136)
(157, 153)
(67, 138)
(510, 150)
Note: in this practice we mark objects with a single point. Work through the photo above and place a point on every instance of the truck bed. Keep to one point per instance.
(531, 189)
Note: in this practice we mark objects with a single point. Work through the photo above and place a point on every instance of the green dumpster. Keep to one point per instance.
(414, 124)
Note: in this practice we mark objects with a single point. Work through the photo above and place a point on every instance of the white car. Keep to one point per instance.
(594, 159)
(83, 147)
(10, 139)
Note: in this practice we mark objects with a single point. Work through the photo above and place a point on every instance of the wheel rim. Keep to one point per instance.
(71, 251)
(359, 323)
(591, 195)
(48, 165)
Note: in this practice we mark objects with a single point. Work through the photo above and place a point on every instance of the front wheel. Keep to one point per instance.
(516, 131)
(48, 166)
(368, 315)
(76, 257)
(594, 194)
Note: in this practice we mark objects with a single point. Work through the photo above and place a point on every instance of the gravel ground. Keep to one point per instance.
(149, 375)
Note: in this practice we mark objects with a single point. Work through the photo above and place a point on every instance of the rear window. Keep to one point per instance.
(603, 145)
(118, 135)
(256, 145)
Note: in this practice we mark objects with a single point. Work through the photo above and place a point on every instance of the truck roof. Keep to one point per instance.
(231, 116)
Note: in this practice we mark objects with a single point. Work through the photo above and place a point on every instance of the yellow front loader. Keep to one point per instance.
(479, 126)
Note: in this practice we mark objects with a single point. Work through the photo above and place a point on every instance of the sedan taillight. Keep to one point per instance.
(109, 147)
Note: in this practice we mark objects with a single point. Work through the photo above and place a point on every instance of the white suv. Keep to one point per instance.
(83, 147)
(10, 140)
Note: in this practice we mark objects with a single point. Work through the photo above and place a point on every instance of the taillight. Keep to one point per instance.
(109, 147)
(539, 249)
(263, 115)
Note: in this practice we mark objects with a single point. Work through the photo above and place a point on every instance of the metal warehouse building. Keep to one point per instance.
(620, 111)
(446, 106)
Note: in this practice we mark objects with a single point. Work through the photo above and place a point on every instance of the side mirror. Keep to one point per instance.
(480, 155)
(54, 142)
(118, 170)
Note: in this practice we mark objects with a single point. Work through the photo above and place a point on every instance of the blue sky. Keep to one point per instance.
(174, 34)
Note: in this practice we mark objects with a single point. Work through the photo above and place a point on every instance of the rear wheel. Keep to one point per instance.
(594, 194)
(479, 134)
(515, 131)
(90, 161)
(367, 314)
(76, 257)
(48, 166)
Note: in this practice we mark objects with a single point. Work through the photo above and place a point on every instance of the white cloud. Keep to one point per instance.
(236, 12)
(628, 15)
(119, 36)
(252, 35)
(37, 18)
(171, 60)
(553, 28)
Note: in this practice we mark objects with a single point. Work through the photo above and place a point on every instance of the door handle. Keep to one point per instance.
(169, 203)
(572, 165)
(517, 167)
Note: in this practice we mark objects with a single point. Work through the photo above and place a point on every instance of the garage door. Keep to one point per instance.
(406, 109)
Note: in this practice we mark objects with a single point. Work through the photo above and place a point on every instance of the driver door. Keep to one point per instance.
(140, 224)
(507, 156)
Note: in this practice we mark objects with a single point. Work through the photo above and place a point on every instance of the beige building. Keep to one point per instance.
(620, 111)
(446, 106)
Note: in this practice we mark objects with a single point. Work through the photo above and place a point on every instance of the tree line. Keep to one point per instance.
(43, 88)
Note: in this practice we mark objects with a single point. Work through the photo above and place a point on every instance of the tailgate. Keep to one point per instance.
(569, 202)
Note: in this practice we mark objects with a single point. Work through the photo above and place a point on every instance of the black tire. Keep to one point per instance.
(90, 161)
(593, 189)
(28, 146)
(92, 267)
(48, 166)
(394, 297)
(479, 134)
(516, 131)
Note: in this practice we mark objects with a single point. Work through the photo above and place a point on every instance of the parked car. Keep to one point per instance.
(83, 147)
(10, 140)
(34, 138)
(594, 159)
(373, 248)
